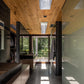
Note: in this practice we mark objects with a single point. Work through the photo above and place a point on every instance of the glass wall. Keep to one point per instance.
(73, 42)
(40, 48)
(24, 44)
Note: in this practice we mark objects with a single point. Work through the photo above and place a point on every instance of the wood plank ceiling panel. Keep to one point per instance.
(72, 16)
(29, 14)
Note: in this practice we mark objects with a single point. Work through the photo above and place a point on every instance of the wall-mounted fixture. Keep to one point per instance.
(2, 34)
(13, 26)
(45, 4)
(53, 25)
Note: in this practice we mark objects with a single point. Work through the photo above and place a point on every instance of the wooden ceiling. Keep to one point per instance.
(29, 14)
(73, 16)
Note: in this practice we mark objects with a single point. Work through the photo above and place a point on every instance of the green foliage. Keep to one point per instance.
(34, 45)
(42, 46)
(24, 44)
(43, 43)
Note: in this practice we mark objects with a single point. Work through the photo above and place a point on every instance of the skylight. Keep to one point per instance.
(45, 4)
(43, 27)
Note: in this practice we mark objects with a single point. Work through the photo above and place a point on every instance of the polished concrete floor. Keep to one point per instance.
(43, 59)
(71, 74)
(43, 74)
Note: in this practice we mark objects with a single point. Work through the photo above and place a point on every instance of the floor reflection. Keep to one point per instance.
(45, 80)
(70, 74)
(72, 80)
(43, 74)
(43, 66)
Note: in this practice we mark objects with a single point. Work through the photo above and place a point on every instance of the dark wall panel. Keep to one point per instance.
(5, 17)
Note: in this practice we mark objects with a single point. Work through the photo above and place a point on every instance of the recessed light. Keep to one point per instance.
(45, 16)
(53, 25)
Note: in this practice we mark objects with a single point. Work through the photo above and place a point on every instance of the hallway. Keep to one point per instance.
(41, 41)
(43, 74)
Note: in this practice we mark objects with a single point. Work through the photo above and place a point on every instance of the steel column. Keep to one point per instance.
(48, 48)
(30, 44)
(17, 57)
(58, 48)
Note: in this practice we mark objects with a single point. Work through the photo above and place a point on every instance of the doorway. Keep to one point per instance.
(40, 48)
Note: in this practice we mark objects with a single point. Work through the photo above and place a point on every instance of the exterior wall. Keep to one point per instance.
(5, 16)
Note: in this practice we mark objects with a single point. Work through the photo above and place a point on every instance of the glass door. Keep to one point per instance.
(40, 45)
